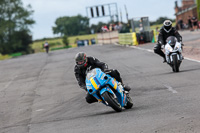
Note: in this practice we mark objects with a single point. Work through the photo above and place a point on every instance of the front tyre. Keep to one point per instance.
(175, 64)
(112, 102)
(129, 103)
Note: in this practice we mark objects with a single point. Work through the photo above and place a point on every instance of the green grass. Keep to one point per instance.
(38, 45)
(15, 54)
(3, 57)
(82, 37)
(58, 48)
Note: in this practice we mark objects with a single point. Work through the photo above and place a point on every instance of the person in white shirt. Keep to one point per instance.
(46, 46)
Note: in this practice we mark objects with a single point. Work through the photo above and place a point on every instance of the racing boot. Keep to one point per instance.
(126, 87)
(164, 60)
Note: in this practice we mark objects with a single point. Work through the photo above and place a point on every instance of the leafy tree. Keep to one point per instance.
(65, 40)
(75, 25)
(14, 27)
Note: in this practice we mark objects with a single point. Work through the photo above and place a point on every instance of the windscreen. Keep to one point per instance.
(91, 73)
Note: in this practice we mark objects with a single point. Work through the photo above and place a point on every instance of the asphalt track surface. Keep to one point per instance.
(39, 94)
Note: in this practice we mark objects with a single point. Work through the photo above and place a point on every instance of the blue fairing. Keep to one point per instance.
(98, 82)
(106, 89)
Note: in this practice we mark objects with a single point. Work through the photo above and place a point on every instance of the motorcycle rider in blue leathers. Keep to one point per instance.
(83, 63)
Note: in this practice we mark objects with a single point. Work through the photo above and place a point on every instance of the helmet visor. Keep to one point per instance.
(80, 62)
(168, 27)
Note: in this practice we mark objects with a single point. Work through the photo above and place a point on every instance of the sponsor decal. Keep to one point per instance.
(89, 87)
(120, 88)
(94, 83)
(124, 99)
(115, 86)
(102, 77)
(113, 82)
(96, 80)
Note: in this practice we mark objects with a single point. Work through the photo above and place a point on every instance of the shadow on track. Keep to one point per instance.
(103, 113)
(188, 70)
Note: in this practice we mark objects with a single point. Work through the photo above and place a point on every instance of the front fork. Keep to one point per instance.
(170, 58)
(121, 96)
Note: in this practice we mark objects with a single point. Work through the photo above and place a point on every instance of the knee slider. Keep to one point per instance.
(89, 100)
(157, 49)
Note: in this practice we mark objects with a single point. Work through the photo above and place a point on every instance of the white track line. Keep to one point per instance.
(10, 82)
(149, 50)
(169, 88)
(192, 59)
(40, 110)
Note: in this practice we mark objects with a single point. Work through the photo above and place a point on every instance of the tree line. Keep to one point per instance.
(75, 25)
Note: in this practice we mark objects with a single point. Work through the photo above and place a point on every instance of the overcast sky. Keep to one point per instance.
(47, 11)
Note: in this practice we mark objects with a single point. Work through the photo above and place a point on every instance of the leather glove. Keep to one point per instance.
(84, 87)
(161, 43)
(105, 69)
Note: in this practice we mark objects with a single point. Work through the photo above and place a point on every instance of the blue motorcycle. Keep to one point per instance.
(107, 90)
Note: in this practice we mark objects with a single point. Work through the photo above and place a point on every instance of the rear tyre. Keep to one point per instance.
(173, 69)
(175, 64)
(112, 102)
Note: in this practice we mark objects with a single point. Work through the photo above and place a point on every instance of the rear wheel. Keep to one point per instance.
(175, 64)
(112, 102)
(173, 69)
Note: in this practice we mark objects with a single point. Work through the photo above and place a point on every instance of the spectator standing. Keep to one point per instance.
(116, 27)
(190, 23)
(110, 27)
(120, 27)
(180, 24)
(104, 28)
(195, 23)
(141, 28)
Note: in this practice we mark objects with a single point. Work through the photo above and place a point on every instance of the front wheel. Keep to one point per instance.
(175, 67)
(129, 103)
(112, 102)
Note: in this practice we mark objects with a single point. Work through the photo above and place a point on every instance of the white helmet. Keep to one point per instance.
(167, 25)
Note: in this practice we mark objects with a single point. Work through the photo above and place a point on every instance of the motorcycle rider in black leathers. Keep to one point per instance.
(84, 63)
(166, 31)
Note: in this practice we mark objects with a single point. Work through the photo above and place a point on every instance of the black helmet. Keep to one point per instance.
(171, 40)
(81, 59)
(167, 25)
